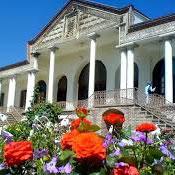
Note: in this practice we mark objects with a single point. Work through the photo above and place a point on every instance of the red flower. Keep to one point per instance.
(16, 153)
(68, 138)
(146, 127)
(113, 118)
(126, 170)
(82, 112)
(89, 147)
(76, 123)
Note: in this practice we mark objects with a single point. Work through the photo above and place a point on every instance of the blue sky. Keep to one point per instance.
(21, 20)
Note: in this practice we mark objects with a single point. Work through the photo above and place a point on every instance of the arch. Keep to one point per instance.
(41, 91)
(159, 77)
(62, 89)
(117, 77)
(100, 79)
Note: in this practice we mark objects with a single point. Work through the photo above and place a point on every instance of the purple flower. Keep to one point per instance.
(65, 169)
(116, 153)
(8, 137)
(121, 164)
(165, 151)
(140, 137)
(3, 166)
(108, 140)
(51, 166)
(40, 153)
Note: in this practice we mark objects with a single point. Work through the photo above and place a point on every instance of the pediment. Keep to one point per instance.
(75, 20)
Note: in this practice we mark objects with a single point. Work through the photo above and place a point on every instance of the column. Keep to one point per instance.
(130, 73)
(123, 70)
(93, 37)
(168, 71)
(93, 44)
(30, 89)
(51, 74)
(11, 92)
(123, 76)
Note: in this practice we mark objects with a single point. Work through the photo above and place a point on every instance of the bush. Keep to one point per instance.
(51, 111)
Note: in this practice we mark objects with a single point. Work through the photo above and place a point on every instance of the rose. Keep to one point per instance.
(82, 112)
(16, 153)
(126, 170)
(146, 127)
(68, 138)
(76, 123)
(114, 119)
(89, 146)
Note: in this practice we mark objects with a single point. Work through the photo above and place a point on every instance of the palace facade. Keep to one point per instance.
(89, 47)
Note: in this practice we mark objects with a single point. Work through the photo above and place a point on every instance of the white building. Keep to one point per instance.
(90, 47)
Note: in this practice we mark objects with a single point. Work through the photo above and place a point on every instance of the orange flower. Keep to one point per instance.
(126, 170)
(146, 127)
(89, 146)
(16, 153)
(76, 123)
(68, 138)
(113, 118)
(82, 112)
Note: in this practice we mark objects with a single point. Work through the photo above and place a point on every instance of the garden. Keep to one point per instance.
(44, 143)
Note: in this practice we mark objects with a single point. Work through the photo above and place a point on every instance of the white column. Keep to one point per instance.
(168, 71)
(93, 43)
(11, 92)
(130, 73)
(30, 89)
(51, 74)
(123, 70)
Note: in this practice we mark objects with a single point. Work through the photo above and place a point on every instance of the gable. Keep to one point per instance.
(75, 21)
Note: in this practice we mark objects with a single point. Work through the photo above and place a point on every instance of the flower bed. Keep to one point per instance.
(41, 148)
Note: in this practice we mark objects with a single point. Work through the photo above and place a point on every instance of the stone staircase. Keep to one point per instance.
(132, 102)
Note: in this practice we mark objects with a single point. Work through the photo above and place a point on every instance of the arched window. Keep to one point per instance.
(62, 89)
(159, 77)
(41, 91)
(100, 80)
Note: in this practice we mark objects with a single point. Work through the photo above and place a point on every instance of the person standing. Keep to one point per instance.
(148, 91)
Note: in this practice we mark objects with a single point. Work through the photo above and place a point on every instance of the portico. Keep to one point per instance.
(89, 48)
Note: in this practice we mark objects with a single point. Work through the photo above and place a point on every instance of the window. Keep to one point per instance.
(2, 99)
(23, 98)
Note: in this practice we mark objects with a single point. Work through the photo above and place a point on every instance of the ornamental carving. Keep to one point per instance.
(148, 33)
(76, 21)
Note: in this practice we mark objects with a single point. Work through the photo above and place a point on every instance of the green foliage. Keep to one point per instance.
(51, 111)
(20, 130)
(85, 127)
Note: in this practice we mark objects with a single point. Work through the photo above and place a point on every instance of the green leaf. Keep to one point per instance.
(66, 155)
(84, 127)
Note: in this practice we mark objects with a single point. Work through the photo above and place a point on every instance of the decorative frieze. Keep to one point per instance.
(148, 33)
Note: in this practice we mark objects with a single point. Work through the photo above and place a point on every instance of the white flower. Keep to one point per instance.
(3, 117)
(31, 132)
(125, 142)
(64, 122)
(111, 129)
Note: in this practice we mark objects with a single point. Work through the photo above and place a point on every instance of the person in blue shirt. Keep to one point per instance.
(148, 91)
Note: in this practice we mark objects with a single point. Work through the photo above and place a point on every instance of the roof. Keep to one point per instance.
(90, 4)
(11, 66)
(151, 23)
